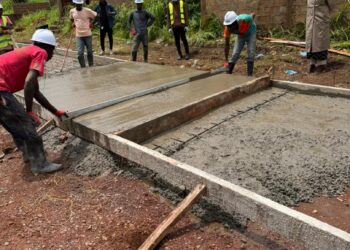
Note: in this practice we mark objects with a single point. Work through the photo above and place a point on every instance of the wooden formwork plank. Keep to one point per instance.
(163, 229)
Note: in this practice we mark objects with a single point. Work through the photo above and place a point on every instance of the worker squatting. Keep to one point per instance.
(21, 68)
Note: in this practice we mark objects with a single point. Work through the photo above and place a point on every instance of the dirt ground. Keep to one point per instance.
(110, 211)
(89, 207)
(275, 61)
(69, 211)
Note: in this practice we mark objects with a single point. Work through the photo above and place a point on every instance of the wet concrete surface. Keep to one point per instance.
(77, 89)
(283, 145)
(129, 114)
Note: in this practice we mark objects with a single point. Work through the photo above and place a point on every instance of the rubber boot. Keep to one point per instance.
(134, 56)
(81, 60)
(90, 60)
(179, 57)
(250, 68)
(230, 68)
(145, 56)
(47, 168)
(188, 57)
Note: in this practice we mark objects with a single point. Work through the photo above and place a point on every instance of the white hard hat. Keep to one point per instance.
(44, 36)
(1, 6)
(78, 1)
(230, 18)
(138, 1)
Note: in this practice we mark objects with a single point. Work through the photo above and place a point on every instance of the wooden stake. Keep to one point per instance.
(163, 229)
(46, 125)
(302, 45)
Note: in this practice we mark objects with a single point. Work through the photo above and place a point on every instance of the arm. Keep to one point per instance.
(98, 10)
(130, 19)
(329, 6)
(168, 16)
(112, 12)
(151, 19)
(186, 14)
(31, 90)
(227, 47)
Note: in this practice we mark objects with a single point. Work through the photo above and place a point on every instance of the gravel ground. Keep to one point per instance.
(286, 146)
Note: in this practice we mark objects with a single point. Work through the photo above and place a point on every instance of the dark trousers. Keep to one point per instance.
(21, 126)
(103, 33)
(180, 33)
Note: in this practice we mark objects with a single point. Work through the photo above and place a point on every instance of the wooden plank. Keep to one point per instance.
(46, 125)
(302, 45)
(163, 229)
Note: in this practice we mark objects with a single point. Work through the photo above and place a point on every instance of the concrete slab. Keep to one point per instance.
(87, 87)
(141, 118)
(284, 145)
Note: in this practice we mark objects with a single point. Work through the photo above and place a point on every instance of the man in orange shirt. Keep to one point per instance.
(245, 28)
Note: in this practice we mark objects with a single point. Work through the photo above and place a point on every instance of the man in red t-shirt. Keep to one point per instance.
(20, 70)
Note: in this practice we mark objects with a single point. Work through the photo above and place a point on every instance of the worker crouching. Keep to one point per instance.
(245, 28)
(20, 69)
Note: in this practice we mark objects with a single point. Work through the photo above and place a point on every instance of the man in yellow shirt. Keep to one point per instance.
(6, 43)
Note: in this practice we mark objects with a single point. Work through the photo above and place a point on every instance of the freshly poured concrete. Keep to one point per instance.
(283, 145)
(130, 114)
(90, 86)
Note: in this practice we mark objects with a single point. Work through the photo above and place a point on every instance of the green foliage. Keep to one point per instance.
(8, 7)
(296, 33)
(28, 23)
(340, 29)
(36, 1)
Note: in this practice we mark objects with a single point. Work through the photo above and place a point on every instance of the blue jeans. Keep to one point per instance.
(239, 45)
(83, 42)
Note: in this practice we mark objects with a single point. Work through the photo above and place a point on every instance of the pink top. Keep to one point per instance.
(82, 20)
(15, 66)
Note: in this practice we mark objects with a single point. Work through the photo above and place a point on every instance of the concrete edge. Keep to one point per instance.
(166, 121)
(232, 199)
(72, 53)
(312, 89)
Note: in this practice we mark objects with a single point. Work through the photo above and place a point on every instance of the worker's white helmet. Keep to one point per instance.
(138, 1)
(1, 6)
(78, 1)
(230, 18)
(44, 36)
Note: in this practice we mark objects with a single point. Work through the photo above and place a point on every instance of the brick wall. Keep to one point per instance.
(270, 13)
(24, 8)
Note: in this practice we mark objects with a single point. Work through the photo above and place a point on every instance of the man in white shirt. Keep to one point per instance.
(82, 19)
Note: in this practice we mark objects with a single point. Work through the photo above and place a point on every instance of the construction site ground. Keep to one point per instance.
(275, 61)
(96, 203)
(113, 209)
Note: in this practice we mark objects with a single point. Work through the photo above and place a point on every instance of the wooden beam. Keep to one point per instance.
(302, 45)
(163, 229)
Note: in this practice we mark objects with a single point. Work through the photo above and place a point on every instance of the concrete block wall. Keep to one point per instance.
(25, 8)
(270, 13)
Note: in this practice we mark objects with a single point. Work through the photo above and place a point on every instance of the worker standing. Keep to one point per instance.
(178, 25)
(106, 16)
(82, 19)
(141, 20)
(6, 43)
(318, 33)
(245, 28)
(20, 69)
